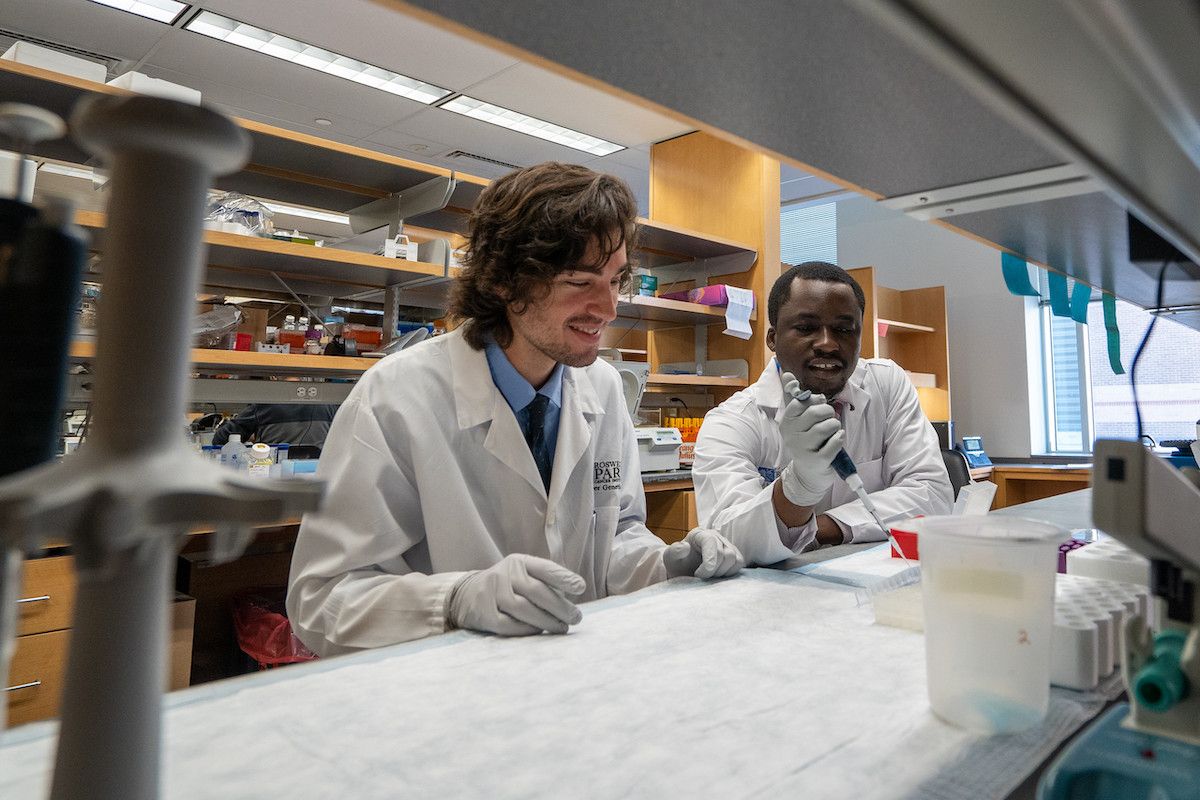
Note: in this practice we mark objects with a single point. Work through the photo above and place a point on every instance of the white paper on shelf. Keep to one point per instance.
(737, 313)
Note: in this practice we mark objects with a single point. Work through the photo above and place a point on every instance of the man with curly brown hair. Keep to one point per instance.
(488, 479)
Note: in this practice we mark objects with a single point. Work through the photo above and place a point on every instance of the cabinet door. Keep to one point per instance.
(670, 515)
(36, 676)
(47, 595)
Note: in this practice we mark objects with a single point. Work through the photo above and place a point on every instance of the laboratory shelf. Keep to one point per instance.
(895, 326)
(235, 260)
(286, 166)
(242, 361)
(660, 379)
(662, 244)
(663, 312)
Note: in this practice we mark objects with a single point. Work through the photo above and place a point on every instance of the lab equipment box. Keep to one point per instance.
(658, 448)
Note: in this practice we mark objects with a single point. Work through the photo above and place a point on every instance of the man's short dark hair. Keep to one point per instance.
(529, 226)
(812, 271)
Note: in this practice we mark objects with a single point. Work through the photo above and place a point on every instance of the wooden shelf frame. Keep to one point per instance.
(243, 361)
(659, 379)
(895, 326)
(282, 167)
(240, 261)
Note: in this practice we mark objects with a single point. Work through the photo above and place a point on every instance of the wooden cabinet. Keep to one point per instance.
(1016, 484)
(45, 606)
(909, 327)
(671, 514)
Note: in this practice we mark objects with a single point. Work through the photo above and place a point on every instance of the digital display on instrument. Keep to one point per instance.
(972, 443)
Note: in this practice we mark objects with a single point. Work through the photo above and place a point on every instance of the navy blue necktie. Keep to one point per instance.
(535, 436)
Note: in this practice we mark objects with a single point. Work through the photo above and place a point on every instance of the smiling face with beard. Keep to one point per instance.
(818, 334)
(564, 326)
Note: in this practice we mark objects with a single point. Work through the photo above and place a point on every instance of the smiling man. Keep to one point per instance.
(763, 471)
(488, 479)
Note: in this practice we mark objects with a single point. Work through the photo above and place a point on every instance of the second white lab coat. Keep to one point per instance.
(430, 476)
(739, 451)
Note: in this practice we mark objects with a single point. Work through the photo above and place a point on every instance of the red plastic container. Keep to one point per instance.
(908, 542)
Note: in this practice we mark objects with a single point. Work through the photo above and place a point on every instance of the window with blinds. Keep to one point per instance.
(808, 233)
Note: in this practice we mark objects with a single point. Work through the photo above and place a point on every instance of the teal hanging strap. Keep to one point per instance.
(1060, 305)
(1114, 335)
(1081, 295)
(1016, 275)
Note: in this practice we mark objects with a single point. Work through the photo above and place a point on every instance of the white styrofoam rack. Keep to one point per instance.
(1110, 560)
(1089, 614)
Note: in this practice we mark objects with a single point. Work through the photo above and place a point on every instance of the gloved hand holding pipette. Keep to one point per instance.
(812, 436)
(815, 447)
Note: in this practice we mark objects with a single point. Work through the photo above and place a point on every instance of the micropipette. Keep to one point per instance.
(843, 465)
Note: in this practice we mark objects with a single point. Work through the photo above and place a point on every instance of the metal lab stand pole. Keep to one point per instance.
(126, 498)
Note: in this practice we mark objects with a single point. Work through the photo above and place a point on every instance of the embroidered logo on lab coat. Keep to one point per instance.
(606, 476)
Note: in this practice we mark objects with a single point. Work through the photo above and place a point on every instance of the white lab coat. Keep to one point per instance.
(430, 476)
(887, 436)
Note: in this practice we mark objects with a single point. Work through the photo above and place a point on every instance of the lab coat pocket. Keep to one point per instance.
(604, 523)
(600, 545)
(871, 473)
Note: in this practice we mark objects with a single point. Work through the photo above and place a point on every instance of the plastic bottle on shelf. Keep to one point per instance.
(233, 454)
(260, 460)
(289, 323)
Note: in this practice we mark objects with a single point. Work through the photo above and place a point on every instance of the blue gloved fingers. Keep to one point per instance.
(831, 447)
(555, 576)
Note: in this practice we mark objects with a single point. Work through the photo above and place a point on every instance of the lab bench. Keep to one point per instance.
(772, 683)
(203, 646)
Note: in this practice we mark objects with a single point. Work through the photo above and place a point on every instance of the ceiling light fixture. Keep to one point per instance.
(307, 55)
(161, 10)
(522, 123)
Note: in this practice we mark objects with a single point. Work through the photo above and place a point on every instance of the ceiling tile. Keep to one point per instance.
(629, 157)
(87, 26)
(188, 53)
(239, 102)
(478, 137)
(370, 32)
(553, 98)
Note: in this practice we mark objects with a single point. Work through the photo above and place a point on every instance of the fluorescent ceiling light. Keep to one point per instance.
(515, 121)
(162, 10)
(308, 213)
(281, 47)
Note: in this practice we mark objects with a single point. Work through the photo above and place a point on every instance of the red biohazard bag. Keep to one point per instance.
(263, 631)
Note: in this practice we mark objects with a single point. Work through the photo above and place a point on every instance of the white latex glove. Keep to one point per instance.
(812, 436)
(519, 596)
(703, 553)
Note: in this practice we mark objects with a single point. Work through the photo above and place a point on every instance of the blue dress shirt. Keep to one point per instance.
(519, 393)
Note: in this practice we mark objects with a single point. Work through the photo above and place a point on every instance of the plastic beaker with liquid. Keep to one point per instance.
(988, 595)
